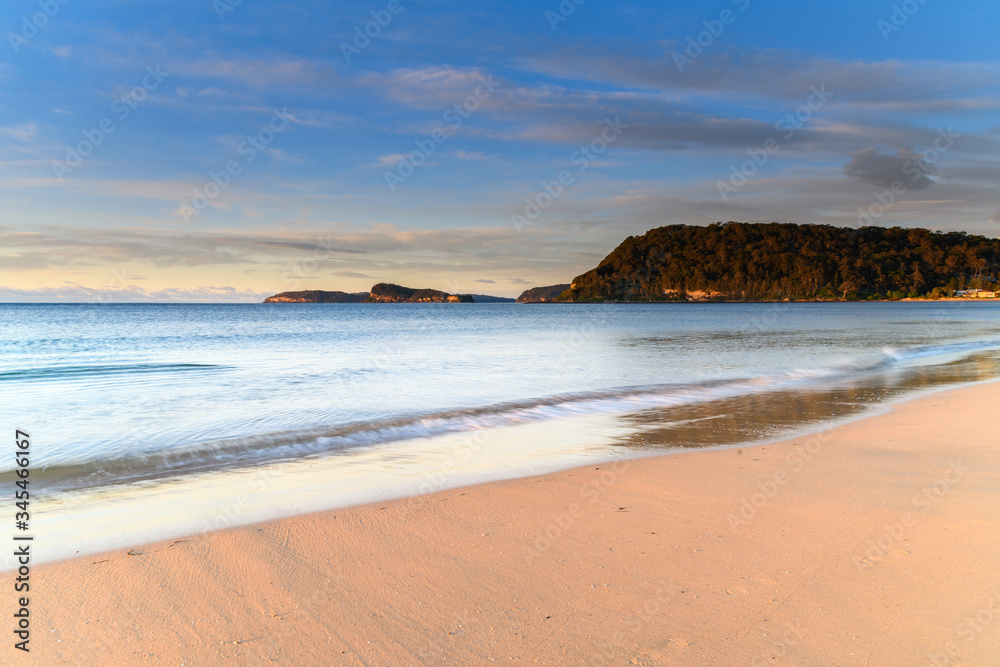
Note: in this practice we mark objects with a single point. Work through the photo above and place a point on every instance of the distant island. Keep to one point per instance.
(389, 293)
(318, 296)
(736, 261)
(380, 293)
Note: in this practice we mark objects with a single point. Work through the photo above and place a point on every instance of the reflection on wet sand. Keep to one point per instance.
(774, 414)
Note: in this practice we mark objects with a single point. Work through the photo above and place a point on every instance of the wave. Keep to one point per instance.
(71, 372)
(295, 444)
(924, 351)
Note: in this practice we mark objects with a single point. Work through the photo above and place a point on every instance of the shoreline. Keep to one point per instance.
(179, 507)
(875, 540)
(483, 303)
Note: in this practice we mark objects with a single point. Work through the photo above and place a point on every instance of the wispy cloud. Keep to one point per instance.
(430, 88)
(22, 132)
(475, 156)
(116, 293)
(390, 160)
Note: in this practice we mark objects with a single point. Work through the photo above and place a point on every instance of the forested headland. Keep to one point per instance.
(779, 261)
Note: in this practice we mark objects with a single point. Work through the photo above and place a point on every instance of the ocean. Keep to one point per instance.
(151, 421)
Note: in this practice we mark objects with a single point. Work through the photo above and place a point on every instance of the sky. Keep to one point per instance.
(227, 150)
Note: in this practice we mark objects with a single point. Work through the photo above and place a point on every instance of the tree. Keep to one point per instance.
(848, 287)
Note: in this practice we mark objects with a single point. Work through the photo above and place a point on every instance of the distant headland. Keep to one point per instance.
(542, 294)
(383, 293)
(738, 261)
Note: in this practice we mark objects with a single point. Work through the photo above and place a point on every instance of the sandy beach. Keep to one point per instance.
(874, 543)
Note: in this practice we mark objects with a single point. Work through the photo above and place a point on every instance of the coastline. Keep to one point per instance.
(712, 300)
(873, 542)
(904, 300)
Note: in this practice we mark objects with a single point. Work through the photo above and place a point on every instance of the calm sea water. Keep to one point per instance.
(129, 395)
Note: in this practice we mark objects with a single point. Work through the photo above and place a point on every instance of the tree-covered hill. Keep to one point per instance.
(317, 296)
(770, 261)
(541, 294)
(390, 293)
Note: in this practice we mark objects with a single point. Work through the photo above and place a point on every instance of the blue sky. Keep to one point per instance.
(233, 150)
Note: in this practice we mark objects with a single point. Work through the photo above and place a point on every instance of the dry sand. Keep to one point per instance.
(875, 543)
